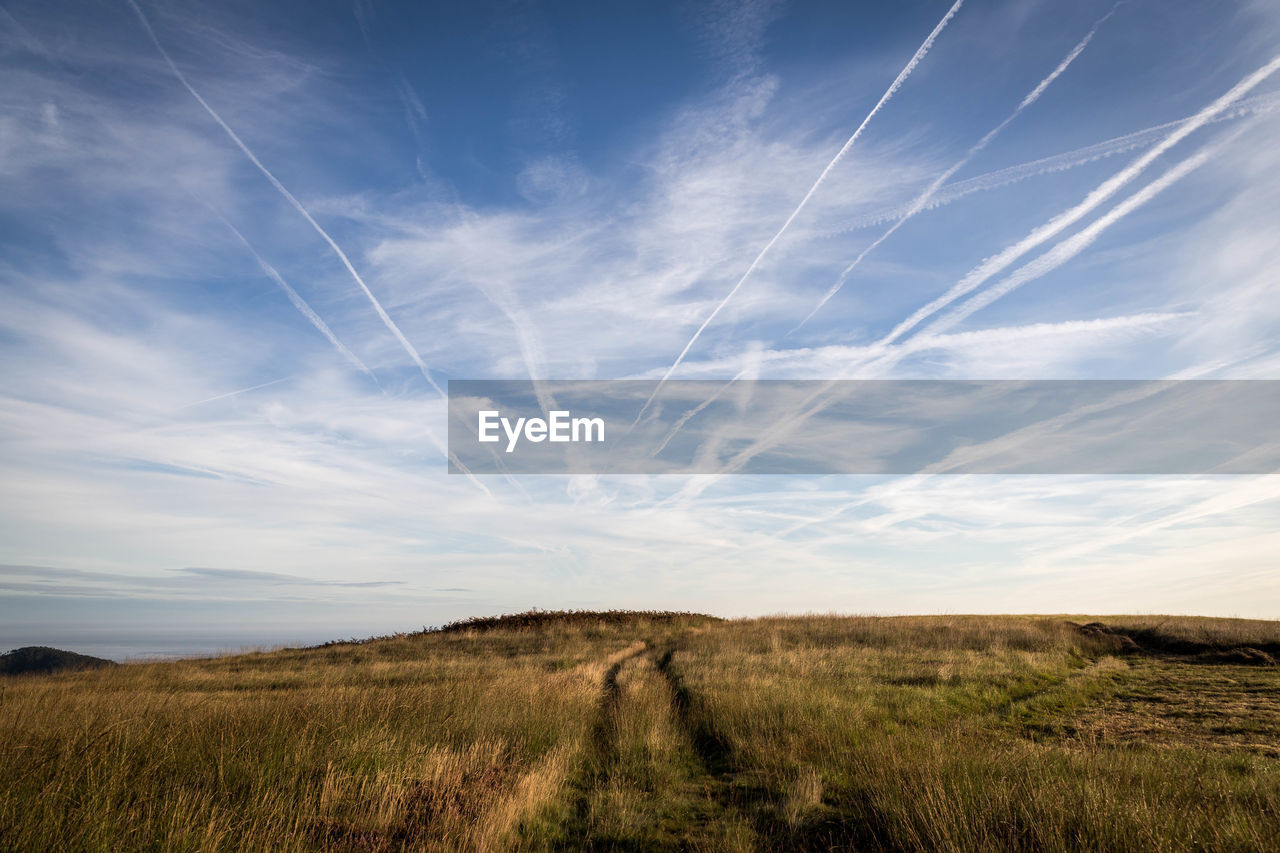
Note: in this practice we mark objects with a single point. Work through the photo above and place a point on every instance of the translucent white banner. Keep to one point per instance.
(865, 427)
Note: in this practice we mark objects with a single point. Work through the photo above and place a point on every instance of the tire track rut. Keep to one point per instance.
(603, 750)
(762, 806)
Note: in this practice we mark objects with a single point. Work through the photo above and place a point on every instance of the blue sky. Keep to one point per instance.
(239, 242)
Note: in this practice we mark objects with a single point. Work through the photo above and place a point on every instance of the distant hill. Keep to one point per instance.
(44, 659)
(547, 618)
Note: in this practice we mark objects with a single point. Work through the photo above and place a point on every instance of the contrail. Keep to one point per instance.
(1058, 162)
(919, 343)
(1064, 251)
(1074, 245)
(694, 412)
(1101, 193)
(319, 323)
(1253, 490)
(323, 328)
(923, 200)
(871, 495)
(386, 320)
(234, 393)
(528, 341)
(884, 99)
(297, 205)
(816, 402)
(1056, 256)
(301, 304)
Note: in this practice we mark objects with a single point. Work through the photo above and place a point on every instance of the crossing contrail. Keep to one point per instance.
(301, 304)
(884, 99)
(297, 205)
(1058, 162)
(1077, 243)
(1059, 254)
(994, 265)
(923, 200)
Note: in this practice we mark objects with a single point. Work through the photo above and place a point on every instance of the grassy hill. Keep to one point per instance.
(551, 731)
(43, 659)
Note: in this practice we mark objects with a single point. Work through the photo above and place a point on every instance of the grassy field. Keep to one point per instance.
(668, 731)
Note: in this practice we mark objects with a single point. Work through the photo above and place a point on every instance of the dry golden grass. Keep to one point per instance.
(1219, 633)
(430, 742)
(915, 733)
(931, 734)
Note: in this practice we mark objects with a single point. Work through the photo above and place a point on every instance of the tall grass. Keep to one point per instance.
(915, 734)
(664, 732)
(426, 742)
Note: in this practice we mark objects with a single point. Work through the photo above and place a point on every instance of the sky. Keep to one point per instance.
(245, 246)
